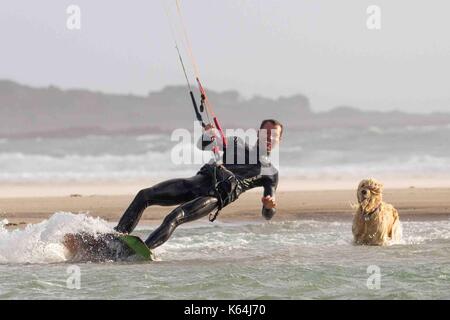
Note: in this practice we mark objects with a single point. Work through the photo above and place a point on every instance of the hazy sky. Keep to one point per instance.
(319, 48)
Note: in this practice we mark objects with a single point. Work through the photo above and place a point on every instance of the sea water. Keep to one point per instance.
(298, 259)
(327, 154)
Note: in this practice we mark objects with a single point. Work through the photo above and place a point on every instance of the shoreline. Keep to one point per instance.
(412, 203)
(114, 187)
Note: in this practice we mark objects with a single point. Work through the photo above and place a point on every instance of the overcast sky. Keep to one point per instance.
(322, 49)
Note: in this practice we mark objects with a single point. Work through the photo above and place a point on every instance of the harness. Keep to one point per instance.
(225, 186)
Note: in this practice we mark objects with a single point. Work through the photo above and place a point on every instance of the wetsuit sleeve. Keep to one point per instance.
(270, 187)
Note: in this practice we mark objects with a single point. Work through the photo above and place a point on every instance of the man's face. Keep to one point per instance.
(271, 134)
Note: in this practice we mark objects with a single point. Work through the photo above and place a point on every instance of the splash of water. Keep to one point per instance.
(42, 242)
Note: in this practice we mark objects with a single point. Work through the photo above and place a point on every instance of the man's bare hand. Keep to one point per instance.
(268, 202)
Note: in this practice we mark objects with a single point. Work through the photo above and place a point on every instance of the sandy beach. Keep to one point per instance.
(22, 204)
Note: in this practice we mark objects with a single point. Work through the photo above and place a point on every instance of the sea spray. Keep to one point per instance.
(42, 242)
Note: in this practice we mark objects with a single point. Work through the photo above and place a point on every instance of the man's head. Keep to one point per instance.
(271, 131)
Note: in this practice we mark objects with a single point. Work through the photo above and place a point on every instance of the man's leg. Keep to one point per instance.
(167, 193)
(190, 211)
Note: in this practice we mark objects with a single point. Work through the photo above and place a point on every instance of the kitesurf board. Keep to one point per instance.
(137, 245)
(111, 246)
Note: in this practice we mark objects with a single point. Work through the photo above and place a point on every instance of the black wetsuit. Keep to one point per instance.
(211, 189)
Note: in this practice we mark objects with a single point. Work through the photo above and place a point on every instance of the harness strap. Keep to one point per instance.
(368, 216)
(222, 201)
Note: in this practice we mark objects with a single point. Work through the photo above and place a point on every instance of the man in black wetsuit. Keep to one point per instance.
(213, 187)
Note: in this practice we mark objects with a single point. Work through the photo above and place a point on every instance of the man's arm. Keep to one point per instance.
(269, 203)
(268, 213)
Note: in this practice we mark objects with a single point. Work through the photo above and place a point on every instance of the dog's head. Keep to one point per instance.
(369, 194)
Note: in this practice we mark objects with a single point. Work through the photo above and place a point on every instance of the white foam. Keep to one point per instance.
(322, 154)
(424, 231)
(42, 242)
(290, 235)
(40, 167)
(417, 166)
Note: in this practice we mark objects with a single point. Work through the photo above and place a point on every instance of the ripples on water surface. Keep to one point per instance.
(302, 259)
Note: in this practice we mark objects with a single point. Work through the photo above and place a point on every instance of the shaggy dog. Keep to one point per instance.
(375, 222)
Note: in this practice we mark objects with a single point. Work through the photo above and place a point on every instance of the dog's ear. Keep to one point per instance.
(375, 185)
(379, 186)
(363, 184)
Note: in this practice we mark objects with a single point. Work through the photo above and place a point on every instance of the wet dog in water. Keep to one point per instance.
(375, 222)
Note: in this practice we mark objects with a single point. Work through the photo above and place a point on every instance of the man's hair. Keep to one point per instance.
(274, 123)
